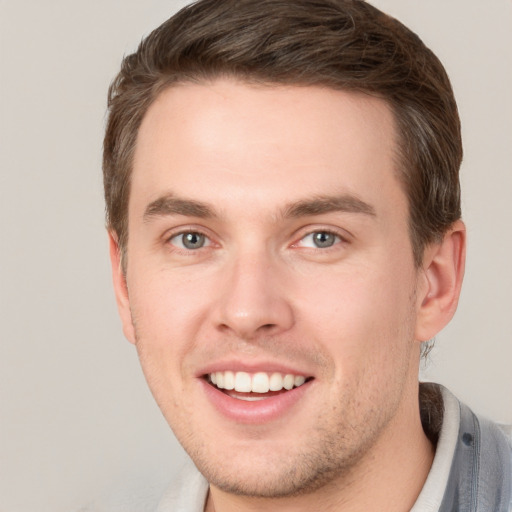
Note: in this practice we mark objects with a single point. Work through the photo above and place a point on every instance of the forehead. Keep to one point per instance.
(228, 141)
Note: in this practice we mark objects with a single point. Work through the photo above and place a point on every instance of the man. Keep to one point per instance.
(281, 180)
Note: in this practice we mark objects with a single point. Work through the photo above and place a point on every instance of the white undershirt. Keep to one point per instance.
(431, 495)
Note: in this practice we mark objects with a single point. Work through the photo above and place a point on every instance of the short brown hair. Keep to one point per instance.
(341, 44)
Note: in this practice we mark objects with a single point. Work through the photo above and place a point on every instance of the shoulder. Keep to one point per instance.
(152, 493)
(133, 494)
(187, 493)
(507, 430)
(481, 474)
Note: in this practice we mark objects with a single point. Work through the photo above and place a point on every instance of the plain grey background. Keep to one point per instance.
(76, 417)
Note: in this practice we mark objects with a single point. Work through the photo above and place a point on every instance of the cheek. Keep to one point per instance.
(167, 303)
(167, 315)
(362, 318)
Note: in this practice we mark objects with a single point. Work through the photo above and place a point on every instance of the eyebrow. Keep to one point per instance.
(172, 205)
(328, 204)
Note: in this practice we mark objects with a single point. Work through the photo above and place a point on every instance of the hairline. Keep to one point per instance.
(165, 83)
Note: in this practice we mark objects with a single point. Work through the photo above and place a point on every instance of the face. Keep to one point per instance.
(270, 285)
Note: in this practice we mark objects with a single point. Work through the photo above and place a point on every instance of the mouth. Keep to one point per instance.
(255, 386)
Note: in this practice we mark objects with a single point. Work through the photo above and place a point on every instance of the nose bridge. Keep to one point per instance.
(253, 300)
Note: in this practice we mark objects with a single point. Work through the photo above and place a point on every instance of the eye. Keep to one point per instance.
(190, 240)
(320, 240)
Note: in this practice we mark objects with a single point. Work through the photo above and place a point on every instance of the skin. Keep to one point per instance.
(260, 292)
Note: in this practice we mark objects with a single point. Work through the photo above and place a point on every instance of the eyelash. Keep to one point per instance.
(339, 239)
(184, 232)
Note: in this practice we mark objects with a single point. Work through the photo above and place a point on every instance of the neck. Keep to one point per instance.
(388, 479)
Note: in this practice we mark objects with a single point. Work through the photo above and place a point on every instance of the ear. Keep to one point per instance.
(121, 289)
(443, 271)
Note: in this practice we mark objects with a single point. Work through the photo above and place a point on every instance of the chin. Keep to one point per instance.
(268, 473)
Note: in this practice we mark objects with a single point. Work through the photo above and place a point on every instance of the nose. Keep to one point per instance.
(253, 300)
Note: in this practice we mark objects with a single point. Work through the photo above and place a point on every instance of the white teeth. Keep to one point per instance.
(250, 398)
(259, 382)
(299, 380)
(229, 380)
(276, 382)
(288, 381)
(242, 382)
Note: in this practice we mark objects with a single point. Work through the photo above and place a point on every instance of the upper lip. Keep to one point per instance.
(237, 365)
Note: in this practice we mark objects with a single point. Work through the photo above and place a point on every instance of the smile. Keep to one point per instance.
(255, 386)
(257, 397)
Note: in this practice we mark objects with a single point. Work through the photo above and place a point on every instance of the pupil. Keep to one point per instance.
(193, 240)
(323, 239)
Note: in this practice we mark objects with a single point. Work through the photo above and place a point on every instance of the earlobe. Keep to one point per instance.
(120, 288)
(443, 271)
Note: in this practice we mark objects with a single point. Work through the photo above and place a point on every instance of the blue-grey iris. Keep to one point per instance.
(193, 240)
(324, 239)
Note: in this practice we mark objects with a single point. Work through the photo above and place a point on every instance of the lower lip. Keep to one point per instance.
(254, 412)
